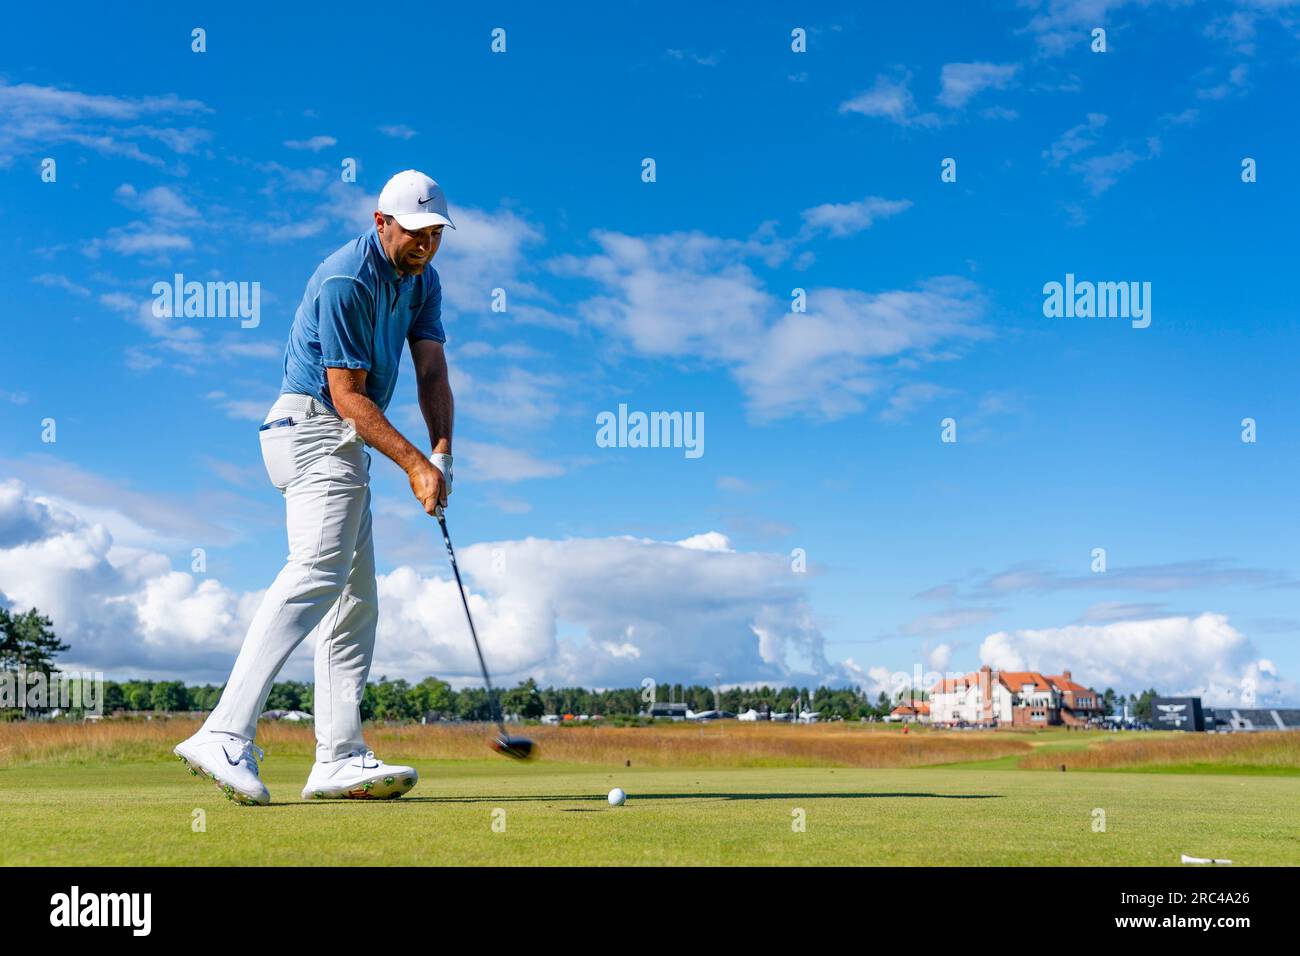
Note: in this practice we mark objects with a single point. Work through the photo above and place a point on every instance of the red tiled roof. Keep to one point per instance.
(904, 709)
(952, 684)
(1063, 685)
(1014, 680)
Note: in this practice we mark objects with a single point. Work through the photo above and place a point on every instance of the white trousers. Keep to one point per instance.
(327, 585)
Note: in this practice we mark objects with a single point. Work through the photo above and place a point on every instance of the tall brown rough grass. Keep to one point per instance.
(728, 744)
(1271, 749)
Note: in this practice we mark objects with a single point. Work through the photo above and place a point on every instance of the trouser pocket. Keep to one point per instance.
(278, 454)
(294, 442)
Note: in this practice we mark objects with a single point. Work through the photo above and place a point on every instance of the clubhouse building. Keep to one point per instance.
(990, 698)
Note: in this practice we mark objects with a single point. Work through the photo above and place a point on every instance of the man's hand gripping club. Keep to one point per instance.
(429, 478)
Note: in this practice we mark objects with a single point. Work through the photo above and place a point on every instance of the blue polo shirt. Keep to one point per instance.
(356, 313)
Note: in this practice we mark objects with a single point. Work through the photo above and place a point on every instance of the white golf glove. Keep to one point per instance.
(443, 464)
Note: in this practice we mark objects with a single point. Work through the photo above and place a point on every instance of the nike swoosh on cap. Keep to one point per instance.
(423, 201)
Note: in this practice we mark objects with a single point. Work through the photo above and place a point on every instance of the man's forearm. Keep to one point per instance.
(376, 430)
(439, 410)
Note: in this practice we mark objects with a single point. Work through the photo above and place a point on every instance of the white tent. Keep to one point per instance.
(294, 716)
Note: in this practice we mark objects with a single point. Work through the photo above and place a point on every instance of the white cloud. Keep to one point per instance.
(602, 612)
(134, 518)
(310, 180)
(961, 82)
(488, 462)
(644, 608)
(42, 117)
(1062, 24)
(733, 484)
(140, 239)
(953, 619)
(243, 409)
(160, 202)
(825, 362)
(514, 351)
(1120, 611)
(998, 113)
(909, 398)
(1102, 172)
(873, 680)
(1202, 656)
(168, 334)
(938, 658)
(1238, 28)
(845, 219)
(487, 251)
(510, 506)
(54, 281)
(315, 144)
(712, 59)
(1075, 139)
(120, 608)
(512, 398)
(889, 99)
(1192, 576)
(709, 541)
(293, 231)
(1233, 84)
(649, 283)
(822, 363)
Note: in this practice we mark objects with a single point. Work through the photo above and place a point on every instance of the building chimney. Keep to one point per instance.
(1066, 675)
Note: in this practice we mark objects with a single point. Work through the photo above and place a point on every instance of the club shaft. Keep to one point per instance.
(455, 569)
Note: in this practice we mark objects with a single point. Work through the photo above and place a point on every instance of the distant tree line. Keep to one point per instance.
(436, 699)
(400, 700)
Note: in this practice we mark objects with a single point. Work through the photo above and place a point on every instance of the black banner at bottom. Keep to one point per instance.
(138, 904)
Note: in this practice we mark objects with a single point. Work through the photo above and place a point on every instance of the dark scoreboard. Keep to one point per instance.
(1177, 713)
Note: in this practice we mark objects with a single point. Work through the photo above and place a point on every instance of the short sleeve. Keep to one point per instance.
(345, 313)
(428, 320)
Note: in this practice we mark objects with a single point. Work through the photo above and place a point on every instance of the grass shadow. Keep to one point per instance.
(586, 797)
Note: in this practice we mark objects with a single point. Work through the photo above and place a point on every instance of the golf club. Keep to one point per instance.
(521, 748)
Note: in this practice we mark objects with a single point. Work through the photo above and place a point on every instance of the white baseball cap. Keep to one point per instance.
(415, 201)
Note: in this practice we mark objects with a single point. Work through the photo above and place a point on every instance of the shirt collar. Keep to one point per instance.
(386, 268)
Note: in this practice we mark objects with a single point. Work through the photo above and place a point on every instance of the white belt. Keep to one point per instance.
(305, 405)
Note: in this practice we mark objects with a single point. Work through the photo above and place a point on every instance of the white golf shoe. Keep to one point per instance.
(230, 761)
(359, 776)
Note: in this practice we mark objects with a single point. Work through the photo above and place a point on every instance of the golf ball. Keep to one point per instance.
(616, 797)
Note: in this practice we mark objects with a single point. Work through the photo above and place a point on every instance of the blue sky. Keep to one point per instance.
(775, 170)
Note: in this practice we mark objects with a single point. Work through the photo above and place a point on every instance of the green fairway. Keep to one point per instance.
(143, 813)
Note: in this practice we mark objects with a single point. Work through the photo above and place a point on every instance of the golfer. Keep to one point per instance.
(340, 367)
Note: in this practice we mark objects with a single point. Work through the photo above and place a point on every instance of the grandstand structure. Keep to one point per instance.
(1240, 719)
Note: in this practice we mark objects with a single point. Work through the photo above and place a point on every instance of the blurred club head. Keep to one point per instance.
(521, 748)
